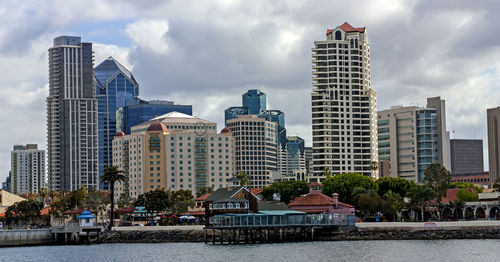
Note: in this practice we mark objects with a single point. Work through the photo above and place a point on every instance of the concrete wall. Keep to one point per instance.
(25, 237)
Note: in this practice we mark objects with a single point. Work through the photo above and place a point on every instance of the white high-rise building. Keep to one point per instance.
(344, 116)
(27, 169)
(71, 116)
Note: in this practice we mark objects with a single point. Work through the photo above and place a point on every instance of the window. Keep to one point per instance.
(338, 35)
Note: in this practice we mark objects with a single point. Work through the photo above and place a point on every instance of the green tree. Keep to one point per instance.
(394, 205)
(288, 190)
(374, 166)
(96, 200)
(181, 200)
(155, 201)
(25, 211)
(344, 184)
(327, 172)
(467, 196)
(438, 178)
(243, 177)
(461, 184)
(43, 194)
(369, 204)
(111, 175)
(69, 201)
(397, 185)
(420, 197)
(496, 184)
(203, 190)
(124, 201)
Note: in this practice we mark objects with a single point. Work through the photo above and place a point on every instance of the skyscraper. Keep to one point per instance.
(27, 173)
(344, 122)
(411, 138)
(466, 156)
(71, 116)
(493, 118)
(115, 86)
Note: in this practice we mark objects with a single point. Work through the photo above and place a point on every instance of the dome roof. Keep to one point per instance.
(225, 130)
(157, 126)
(120, 133)
(315, 184)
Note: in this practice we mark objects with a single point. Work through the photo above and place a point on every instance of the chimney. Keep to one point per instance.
(335, 197)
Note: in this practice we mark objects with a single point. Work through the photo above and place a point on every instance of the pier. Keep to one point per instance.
(273, 226)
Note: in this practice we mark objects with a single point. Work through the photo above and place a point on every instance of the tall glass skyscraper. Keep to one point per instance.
(71, 116)
(255, 101)
(115, 88)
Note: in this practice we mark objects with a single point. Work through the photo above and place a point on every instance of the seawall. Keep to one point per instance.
(197, 234)
(25, 237)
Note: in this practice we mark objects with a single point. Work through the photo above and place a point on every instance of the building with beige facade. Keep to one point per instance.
(344, 116)
(256, 148)
(27, 165)
(411, 138)
(173, 151)
(493, 121)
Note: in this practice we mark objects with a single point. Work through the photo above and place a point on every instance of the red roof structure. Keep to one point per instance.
(225, 130)
(157, 126)
(203, 197)
(348, 28)
(256, 191)
(316, 200)
(120, 133)
(451, 194)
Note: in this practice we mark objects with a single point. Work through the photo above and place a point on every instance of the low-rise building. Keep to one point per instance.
(317, 202)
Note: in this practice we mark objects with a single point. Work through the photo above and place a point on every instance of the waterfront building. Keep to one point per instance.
(71, 116)
(466, 156)
(115, 86)
(27, 164)
(173, 151)
(344, 117)
(316, 202)
(411, 138)
(493, 121)
(256, 149)
(140, 111)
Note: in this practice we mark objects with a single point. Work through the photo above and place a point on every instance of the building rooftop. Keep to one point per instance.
(157, 126)
(348, 28)
(108, 68)
(316, 200)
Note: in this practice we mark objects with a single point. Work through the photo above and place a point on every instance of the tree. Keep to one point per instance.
(96, 201)
(467, 196)
(327, 172)
(374, 166)
(288, 190)
(397, 185)
(155, 201)
(111, 175)
(43, 194)
(438, 178)
(69, 201)
(394, 205)
(243, 177)
(344, 184)
(180, 201)
(420, 196)
(496, 185)
(203, 190)
(464, 185)
(25, 211)
(124, 201)
(369, 204)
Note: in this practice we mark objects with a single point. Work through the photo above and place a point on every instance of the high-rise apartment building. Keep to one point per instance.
(466, 156)
(71, 116)
(27, 173)
(256, 148)
(411, 138)
(173, 151)
(493, 120)
(115, 86)
(344, 121)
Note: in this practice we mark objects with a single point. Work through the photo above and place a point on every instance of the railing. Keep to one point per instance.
(263, 220)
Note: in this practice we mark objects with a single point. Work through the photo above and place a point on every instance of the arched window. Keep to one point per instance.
(352, 43)
(338, 35)
(356, 43)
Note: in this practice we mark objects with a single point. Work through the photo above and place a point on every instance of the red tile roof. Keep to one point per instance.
(203, 197)
(314, 210)
(315, 184)
(256, 191)
(316, 200)
(348, 28)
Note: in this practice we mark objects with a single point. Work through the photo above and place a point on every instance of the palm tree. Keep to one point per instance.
(111, 175)
(43, 194)
(243, 177)
(327, 172)
(52, 195)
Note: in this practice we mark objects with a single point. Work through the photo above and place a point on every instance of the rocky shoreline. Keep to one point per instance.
(171, 236)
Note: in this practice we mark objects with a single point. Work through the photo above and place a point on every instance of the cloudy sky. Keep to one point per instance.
(207, 53)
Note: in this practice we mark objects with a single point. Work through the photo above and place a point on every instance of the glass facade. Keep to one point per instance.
(427, 140)
(255, 101)
(115, 87)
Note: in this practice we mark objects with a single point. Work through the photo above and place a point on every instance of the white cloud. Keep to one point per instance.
(121, 54)
(150, 34)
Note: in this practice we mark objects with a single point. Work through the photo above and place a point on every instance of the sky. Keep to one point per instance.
(207, 53)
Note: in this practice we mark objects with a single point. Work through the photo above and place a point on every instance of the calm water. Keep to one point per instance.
(413, 250)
